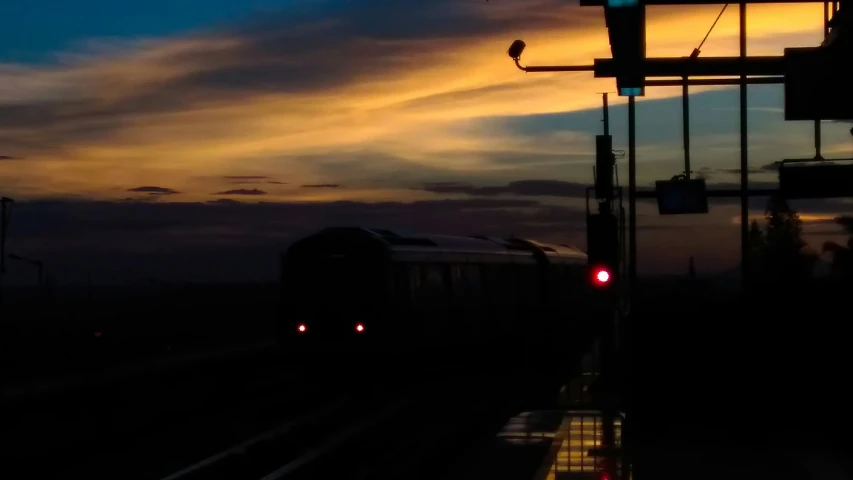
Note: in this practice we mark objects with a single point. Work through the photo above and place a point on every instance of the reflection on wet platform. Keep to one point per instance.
(568, 436)
(585, 433)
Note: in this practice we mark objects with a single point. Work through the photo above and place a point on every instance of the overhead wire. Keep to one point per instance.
(698, 49)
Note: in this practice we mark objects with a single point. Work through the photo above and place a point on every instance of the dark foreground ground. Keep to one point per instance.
(714, 376)
(719, 377)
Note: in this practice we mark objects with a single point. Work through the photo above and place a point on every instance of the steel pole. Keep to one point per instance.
(744, 158)
(632, 191)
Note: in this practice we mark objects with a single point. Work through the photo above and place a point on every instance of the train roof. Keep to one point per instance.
(404, 244)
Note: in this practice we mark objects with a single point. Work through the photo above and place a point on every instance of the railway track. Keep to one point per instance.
(92, 431)
(413, 432)
(254, 416)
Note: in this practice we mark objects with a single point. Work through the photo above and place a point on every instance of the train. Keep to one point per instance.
(376, 291)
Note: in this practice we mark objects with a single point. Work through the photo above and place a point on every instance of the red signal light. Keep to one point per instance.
(601, 276)
(359, 328)
(302, 328)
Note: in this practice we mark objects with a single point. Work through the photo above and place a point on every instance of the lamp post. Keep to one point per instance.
(609, 363)
(37, 263)
(515, 50)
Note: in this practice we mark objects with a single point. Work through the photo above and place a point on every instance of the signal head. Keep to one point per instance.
(516, 49)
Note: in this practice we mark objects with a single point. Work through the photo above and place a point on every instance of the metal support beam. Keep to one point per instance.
(685, 126)
(817, 139)
(681, 67)
(699, 67)
(817, 130)
(554, 68)
(724, 193)
(715, 81)
(632, 191)
(744, 156)
(604, 166)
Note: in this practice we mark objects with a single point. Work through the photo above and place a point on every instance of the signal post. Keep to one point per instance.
(604, 247)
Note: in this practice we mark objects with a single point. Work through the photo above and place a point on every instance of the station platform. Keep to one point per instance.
(540, 445)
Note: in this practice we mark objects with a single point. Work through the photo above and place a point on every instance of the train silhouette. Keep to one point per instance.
(374, 291)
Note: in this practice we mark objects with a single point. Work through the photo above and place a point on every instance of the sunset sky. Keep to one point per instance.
(129, 131)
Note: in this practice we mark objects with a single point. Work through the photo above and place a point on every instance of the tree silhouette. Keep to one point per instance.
(777, 255)
(757, 243)
(842, 256)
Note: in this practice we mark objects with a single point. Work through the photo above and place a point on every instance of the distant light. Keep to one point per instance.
(359, 328)
(602, 276)
(302, 328)
(605, 476)
(98, 334)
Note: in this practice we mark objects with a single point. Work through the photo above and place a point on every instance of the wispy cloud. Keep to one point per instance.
(242, 191)
(414, 82)
(545, 188)
(246, 177)
(406, 104)
(154, 190)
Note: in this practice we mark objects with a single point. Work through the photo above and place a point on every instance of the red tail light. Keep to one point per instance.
(302, 328)
(359, 328)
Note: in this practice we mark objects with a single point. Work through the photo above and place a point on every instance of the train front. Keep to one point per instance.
(333, 291)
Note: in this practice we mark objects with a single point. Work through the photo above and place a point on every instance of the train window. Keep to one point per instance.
(400, 285)
(457, 283)
(435, 282)
(565, 280)
(491, 283)
(568, 277)
(556, 280)
(428, 285)
(528, 276)
(414, 278)
(472, 281)
(508, 275)
(466, 282)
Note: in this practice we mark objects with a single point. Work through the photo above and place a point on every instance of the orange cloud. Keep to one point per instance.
(330, 101)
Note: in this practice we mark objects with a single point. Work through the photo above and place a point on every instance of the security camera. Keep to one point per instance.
(516, 49)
